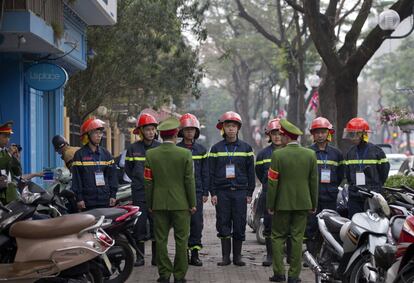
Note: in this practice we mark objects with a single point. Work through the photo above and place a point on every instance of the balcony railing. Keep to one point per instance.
(51, 11)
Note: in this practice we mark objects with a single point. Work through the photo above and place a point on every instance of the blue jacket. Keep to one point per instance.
(200, 161)
(362, 156)
(332, 159)
(85, 164)
(263, 160)
(134, 166)
(241, 155)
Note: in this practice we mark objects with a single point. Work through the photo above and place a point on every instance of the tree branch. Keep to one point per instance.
(341, 19)
(355, 31)
(257, 25)
(331, 11)
(295, 6)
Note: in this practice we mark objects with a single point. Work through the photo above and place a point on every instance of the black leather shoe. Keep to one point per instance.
(163, 280)
(277, 278)
(180, 280)
(293, 280)
(195, 259)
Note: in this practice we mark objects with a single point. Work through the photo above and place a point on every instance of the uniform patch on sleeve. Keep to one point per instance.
(272, 175)
(148, 174)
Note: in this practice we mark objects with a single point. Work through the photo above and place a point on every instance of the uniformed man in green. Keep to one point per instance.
(292, 194)
(9, 165)
(171, 197)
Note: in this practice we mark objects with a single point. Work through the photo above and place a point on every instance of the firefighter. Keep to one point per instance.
(366, 164)
(63, 148)
(261, 168)
(232, 183)
(146, 128)
(292, 194)
(331, 171)
(94, 180)
(190, 131)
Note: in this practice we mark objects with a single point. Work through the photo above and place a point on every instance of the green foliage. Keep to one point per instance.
(397, 181)
(144, 60)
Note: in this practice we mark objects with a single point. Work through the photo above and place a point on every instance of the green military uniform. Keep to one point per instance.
(10, 167)
(292, 192)
(170, 193)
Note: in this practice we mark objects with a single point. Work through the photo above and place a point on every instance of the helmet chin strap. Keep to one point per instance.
(90, 140)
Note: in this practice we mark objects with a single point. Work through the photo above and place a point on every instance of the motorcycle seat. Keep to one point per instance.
(109, 213)
(396, 227)
(334, 223)
(52, 228)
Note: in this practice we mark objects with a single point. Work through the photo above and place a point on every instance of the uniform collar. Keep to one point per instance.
(237, 142)
(294, 143)
(98, 151)
(316, 148)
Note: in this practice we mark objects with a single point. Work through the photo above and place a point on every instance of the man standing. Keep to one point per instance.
(134, 168)
(94, 179)
(262, 166)
(63, 148)
(366, 164)
(170, 195)
(232, 182)
(190, 131)
(292, 194)
(9, 165)
(330, 171)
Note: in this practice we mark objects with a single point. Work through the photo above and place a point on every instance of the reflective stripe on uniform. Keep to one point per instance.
(225, 154)
(366, 161)
(135, 158)
(92, 163)
(263, 161)
(329, 162)
(197, 157)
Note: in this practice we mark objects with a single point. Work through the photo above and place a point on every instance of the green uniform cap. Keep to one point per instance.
(169, 124)
(289, 127)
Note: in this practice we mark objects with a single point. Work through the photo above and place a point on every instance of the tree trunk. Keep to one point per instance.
(293, 109)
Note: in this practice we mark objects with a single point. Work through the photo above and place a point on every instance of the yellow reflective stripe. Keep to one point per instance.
(343, 162)
(135, 158)
(197, 157)
(92, 163)
(366, 161)
(328, 162)
(225, 154)
(263, 161)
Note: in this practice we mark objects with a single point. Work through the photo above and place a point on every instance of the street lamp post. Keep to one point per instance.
(389, 20)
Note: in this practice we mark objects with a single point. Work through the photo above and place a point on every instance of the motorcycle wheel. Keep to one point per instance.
(260, 234)
(357, 275)
(121, 267)
(409, 277)
(95, 274)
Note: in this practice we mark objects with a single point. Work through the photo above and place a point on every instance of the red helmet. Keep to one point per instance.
(321, 123)
(357, 125)
(273, 124)
(144, 120)
(229, 116)
(189, 121)
(91, 124)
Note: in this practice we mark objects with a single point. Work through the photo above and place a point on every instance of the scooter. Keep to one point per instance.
(53, 249)
(349, 244)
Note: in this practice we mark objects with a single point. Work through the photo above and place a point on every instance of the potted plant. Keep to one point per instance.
(397, 116)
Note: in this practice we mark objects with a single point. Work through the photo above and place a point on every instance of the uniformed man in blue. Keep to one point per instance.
(331, 170)
(190, 131)
(262, 166)
(232, 183)
(134, 168)
(292, 194)
(171, 197)
(10, 167)
(94, 180)
(366, 164)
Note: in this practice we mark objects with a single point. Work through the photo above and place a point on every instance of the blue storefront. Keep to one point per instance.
(27, 39)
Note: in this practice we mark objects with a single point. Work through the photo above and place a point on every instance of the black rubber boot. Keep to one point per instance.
(153, 254)
(237, 257)
(140, 254)
(225, 251)
(268, 259)
(195, 260)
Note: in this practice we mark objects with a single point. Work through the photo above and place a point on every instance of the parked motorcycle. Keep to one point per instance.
(255, 216)
(349, 244)
(62, 249)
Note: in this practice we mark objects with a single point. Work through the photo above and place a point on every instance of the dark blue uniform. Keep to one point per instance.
(331, 162)
(231, 193)
(263, 160)
(201, 174)
(357, 159)
(87, 166)
(134, 168)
